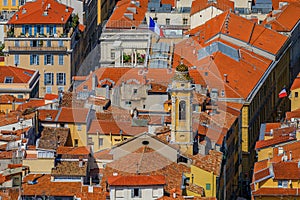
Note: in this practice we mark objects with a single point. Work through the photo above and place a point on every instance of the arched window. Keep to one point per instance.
(182, 114)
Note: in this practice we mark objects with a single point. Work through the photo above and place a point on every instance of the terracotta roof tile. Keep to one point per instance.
(258, 166)
(34, 13)
(70, 168)
(103, 155)
(47, 187)
(242, 29)
(210, 162)
(72, 115)
(52, 137)
(286, 19)
(118, 19)
(150, 163)
(270, 126)
(137, 180)
(114, 127)
(32, 104)
(296, 83)
(213, 67)
(50, 96)
(47, 115)
(261, 175)
(286, 171)
(276, 191)
(73, 150)
(199, 5)
(270, 142)
(19, 75)
(292, 114)
(69, 100)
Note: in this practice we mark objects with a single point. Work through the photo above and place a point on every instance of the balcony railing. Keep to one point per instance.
(43, 49)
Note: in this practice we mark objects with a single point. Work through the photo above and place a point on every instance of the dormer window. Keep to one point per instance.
(8, 79)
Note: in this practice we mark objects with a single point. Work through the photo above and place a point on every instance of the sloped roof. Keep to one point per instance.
(210, 162)
(273, 141)
(118, 19)
(199, 5)
(18, 74)
(286, 171)
(34, 13)
(137, 180)
(72, 115)
(242, 29)
(285, 19)
(52, 137)
(114, 127)
(212, 68)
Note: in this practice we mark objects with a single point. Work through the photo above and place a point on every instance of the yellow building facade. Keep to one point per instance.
(46, 47)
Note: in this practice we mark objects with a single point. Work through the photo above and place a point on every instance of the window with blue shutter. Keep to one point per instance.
(30, 30)
(42, 29)
(17, 58)
(54, 29)
(35, 29)
(13, 2)
(60, 59)
(60, 78)
(60, 43)
(31, 43)
(52, 60)
(31, 59)
(48, 43)
(48, 79)
(23, 29)
(48, 28)
(17, 43)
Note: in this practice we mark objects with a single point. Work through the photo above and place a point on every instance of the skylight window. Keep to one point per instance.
(8, 79)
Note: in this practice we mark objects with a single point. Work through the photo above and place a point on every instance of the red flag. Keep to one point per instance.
(283, 93)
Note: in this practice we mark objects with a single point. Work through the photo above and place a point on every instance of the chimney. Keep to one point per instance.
(17, 16)
(290, 155)
(225, 78)
(23, 10)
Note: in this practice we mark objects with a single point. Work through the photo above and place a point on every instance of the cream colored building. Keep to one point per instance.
(45, 41)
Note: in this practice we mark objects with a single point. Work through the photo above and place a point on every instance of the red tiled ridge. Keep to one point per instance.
(270, 126)
(270, 142)
(260, 175)
(136, 180)
(19, 75)
(35, 13)
(199, 5)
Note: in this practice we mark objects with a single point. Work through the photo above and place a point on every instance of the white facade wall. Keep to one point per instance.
(146, 192)
(77, 5)
(203, 16)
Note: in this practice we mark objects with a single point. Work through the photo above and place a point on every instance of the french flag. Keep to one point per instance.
(283, 93)
(155, 28)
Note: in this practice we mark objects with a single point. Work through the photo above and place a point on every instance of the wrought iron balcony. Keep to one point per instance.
(37, 49)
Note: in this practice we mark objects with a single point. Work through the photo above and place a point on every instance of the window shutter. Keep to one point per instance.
(52, 78)
(45, 79)
(45, 59)
(54, 32)
(31, 43)
(132, 193)
(64, 75)
(48, 29)
(30, 30)
(52, 60)
(37, 59)
(23, 29)
(42, 29)
(31, 59)
(35, 29)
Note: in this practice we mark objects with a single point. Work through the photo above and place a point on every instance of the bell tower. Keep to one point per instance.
(182, 95)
